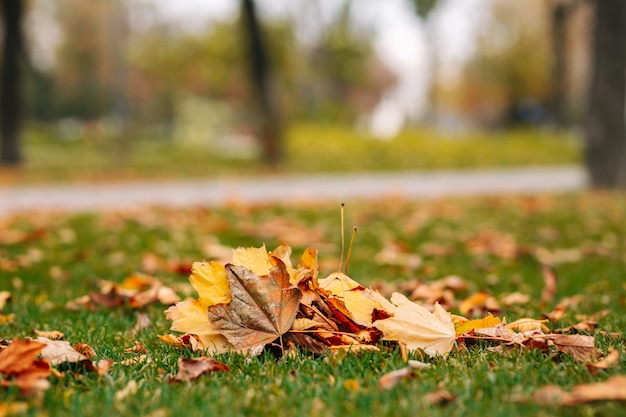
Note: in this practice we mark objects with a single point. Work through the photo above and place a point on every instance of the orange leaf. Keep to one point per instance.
(262, 308)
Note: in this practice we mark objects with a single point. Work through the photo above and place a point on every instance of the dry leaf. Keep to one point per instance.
(137, 347)
(417, 327)
(478, 304)
(528, 324)
(59, 351)
(210, 281)
(189, 369)
(85, 350)
(611, 361)
(463, 327)
(613, 389)
(393, 378)
(262, 308)
(360, 302)
(580, 347)
(20, 367)
(50, 334)
(4, 297)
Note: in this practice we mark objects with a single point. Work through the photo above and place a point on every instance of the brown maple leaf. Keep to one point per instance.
(189, 369)
(262, 308)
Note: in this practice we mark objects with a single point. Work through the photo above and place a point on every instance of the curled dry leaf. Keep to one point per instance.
(50, 334)
(189, 369)
(610, 361)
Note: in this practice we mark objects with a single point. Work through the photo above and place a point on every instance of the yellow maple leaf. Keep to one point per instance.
(359, 301)
(417, 327)
(191, 317)
(255, 259)
(209, 280)
(463, 327)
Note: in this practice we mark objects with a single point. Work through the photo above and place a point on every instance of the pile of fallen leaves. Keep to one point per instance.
(261, 300)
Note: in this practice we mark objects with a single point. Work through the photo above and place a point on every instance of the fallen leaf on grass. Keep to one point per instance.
(393, 378)
(136, 348)
(613, 389)
(262, 308)
(13, 408)
(4, 297)
(131, 388)
(142, 323)
(462, 327)
(582, 348)
(417, 327)
(50, 334)
(610, 361)
(20, 367)
(189, 369)
(136, 291)
(59, 351)
(478, 304)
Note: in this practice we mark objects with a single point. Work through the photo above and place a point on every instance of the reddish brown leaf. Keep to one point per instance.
(262, 308)
(189, 369)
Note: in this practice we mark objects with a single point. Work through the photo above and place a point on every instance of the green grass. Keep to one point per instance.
(308, 149)
(70, 252)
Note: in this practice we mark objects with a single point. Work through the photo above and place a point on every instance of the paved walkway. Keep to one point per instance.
(413, 185)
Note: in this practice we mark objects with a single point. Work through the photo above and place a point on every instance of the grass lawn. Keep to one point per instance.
(308, 149)
(495, 244)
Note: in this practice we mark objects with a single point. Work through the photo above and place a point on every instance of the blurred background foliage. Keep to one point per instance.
(119, 72)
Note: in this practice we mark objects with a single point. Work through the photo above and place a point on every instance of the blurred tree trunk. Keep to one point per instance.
(10, 84)
(268, 126)
(558, 18)
(605, 153)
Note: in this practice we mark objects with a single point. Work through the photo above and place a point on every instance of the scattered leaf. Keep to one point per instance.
(50, 334)
(610, 361)
(393, 378)
(189, 369)
(20, 367)
(4, 297)
(463, 327)
(613, 389)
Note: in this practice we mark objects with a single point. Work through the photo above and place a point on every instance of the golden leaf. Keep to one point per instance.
(255, 259)
(468, 325)
(359, 301)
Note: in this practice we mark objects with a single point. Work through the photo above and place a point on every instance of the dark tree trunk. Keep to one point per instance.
(559, 15)
(268, 120)
(605, 153)
(10, 83)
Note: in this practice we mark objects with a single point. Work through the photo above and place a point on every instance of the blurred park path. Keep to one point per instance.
(272, 189)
